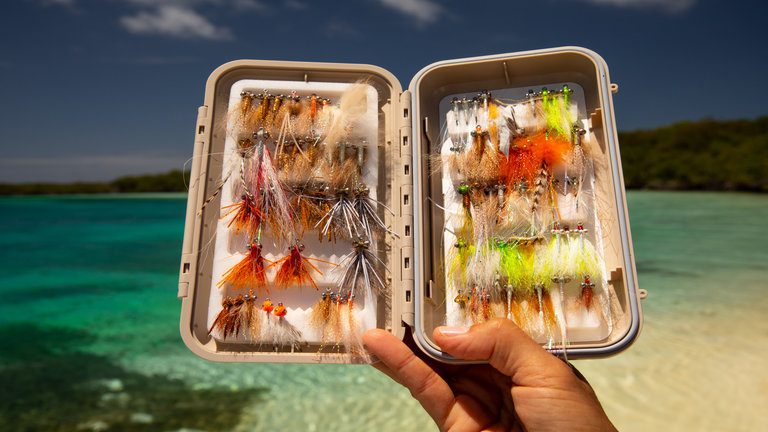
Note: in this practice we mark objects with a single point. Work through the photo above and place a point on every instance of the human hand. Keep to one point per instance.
(521, 387)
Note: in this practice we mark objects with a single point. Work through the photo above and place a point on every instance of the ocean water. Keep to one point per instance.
(89, 329)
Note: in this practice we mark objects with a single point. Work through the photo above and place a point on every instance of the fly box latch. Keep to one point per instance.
(188, 255)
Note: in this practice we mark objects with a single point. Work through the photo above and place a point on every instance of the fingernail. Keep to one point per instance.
(452, 331)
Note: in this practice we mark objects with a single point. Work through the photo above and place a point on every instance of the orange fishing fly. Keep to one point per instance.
(295, 269)
(249, 272)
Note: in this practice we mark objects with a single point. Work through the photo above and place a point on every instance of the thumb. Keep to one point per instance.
(508, 349)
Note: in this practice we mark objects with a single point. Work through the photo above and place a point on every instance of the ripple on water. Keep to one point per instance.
(102, 294)
(304, 397)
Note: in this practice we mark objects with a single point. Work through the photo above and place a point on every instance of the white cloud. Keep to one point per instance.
(664, 5)
(175, 20)
(423, 11)
(183, 19)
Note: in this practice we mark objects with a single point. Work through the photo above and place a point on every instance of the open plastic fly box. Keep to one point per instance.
(325, 200)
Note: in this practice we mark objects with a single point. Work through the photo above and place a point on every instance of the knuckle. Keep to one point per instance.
(405, 362)
(423, 386)
(502, 325)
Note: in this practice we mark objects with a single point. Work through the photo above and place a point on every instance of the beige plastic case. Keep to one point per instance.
(408, 125)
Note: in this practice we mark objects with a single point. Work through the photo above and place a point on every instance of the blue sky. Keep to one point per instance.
(94, 89)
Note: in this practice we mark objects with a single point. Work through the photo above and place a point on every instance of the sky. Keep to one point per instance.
(94, 89)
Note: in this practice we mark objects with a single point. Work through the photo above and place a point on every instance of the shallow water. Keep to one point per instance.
(89, 328)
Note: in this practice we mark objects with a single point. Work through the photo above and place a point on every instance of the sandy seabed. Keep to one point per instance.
(90, 329)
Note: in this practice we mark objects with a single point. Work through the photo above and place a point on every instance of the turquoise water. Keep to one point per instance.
(89, 328)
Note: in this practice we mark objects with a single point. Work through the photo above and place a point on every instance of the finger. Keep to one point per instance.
(482, 392)
(508, 349)
(469, 414)
(425, 385)
(381, 367)
(442, 369)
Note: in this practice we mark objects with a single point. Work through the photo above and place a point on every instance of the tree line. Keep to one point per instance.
(700, 155)
(691, 155)
(173, 181)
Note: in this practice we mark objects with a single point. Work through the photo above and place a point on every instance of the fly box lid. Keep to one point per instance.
(324, 201)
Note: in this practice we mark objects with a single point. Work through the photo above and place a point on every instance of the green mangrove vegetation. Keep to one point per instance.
(691, 155)
(701, 155)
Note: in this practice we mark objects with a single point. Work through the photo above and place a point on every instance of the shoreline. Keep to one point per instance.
(121, 195)
(183, 194)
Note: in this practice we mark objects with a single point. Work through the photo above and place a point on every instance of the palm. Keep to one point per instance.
(535, 392)
(483, 394)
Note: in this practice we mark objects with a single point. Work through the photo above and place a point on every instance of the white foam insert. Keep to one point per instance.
(581, 325)
(230, 249)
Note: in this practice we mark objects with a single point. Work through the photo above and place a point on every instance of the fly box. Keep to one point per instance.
(324, 200)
